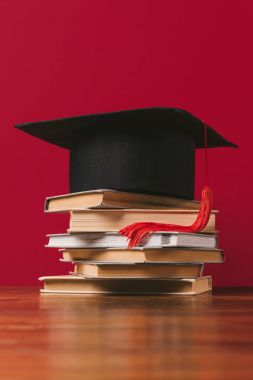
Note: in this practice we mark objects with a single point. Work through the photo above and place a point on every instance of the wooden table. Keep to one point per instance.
(111, 337)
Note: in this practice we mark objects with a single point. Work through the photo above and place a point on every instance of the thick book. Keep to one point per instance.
(115, 240)
(159, 255)
(79, 285)
(114, 199)
(114, 220)
(140, 270)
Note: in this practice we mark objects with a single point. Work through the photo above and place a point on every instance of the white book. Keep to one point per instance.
(115, 240)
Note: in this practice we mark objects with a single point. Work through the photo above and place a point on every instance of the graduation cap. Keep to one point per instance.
(148, 150)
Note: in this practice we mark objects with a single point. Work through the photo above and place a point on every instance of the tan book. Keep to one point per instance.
(139, 270)
(160, 255)
(79, 285)
(114, 199)
(114, 220)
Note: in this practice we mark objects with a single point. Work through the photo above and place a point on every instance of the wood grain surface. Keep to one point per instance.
(128, 337)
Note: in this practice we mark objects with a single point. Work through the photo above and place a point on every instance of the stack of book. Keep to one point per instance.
(166, 263)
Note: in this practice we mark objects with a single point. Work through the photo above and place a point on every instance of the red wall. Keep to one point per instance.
(64, 58)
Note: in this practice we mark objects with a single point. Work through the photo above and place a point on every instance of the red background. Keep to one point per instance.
(64, 58)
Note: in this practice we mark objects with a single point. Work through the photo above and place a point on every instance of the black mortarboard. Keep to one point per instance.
(148, 150)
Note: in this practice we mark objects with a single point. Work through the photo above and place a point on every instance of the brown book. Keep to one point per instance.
(162, 255)
(76, 284)
(114, 220)
(114, 199)
(139, 270)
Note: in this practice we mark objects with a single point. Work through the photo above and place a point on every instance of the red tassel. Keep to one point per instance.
(136, 232)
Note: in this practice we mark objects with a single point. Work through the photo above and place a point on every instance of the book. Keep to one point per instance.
(115, 240)
(114, 199)
(114, 220)
(140, 270)
(159, 255)
(76, 284)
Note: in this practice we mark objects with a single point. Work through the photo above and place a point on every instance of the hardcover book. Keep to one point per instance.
(155, 255)
(114, 220)
(115, 199)
(115, 240)
(76, 284)
(140, 270)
